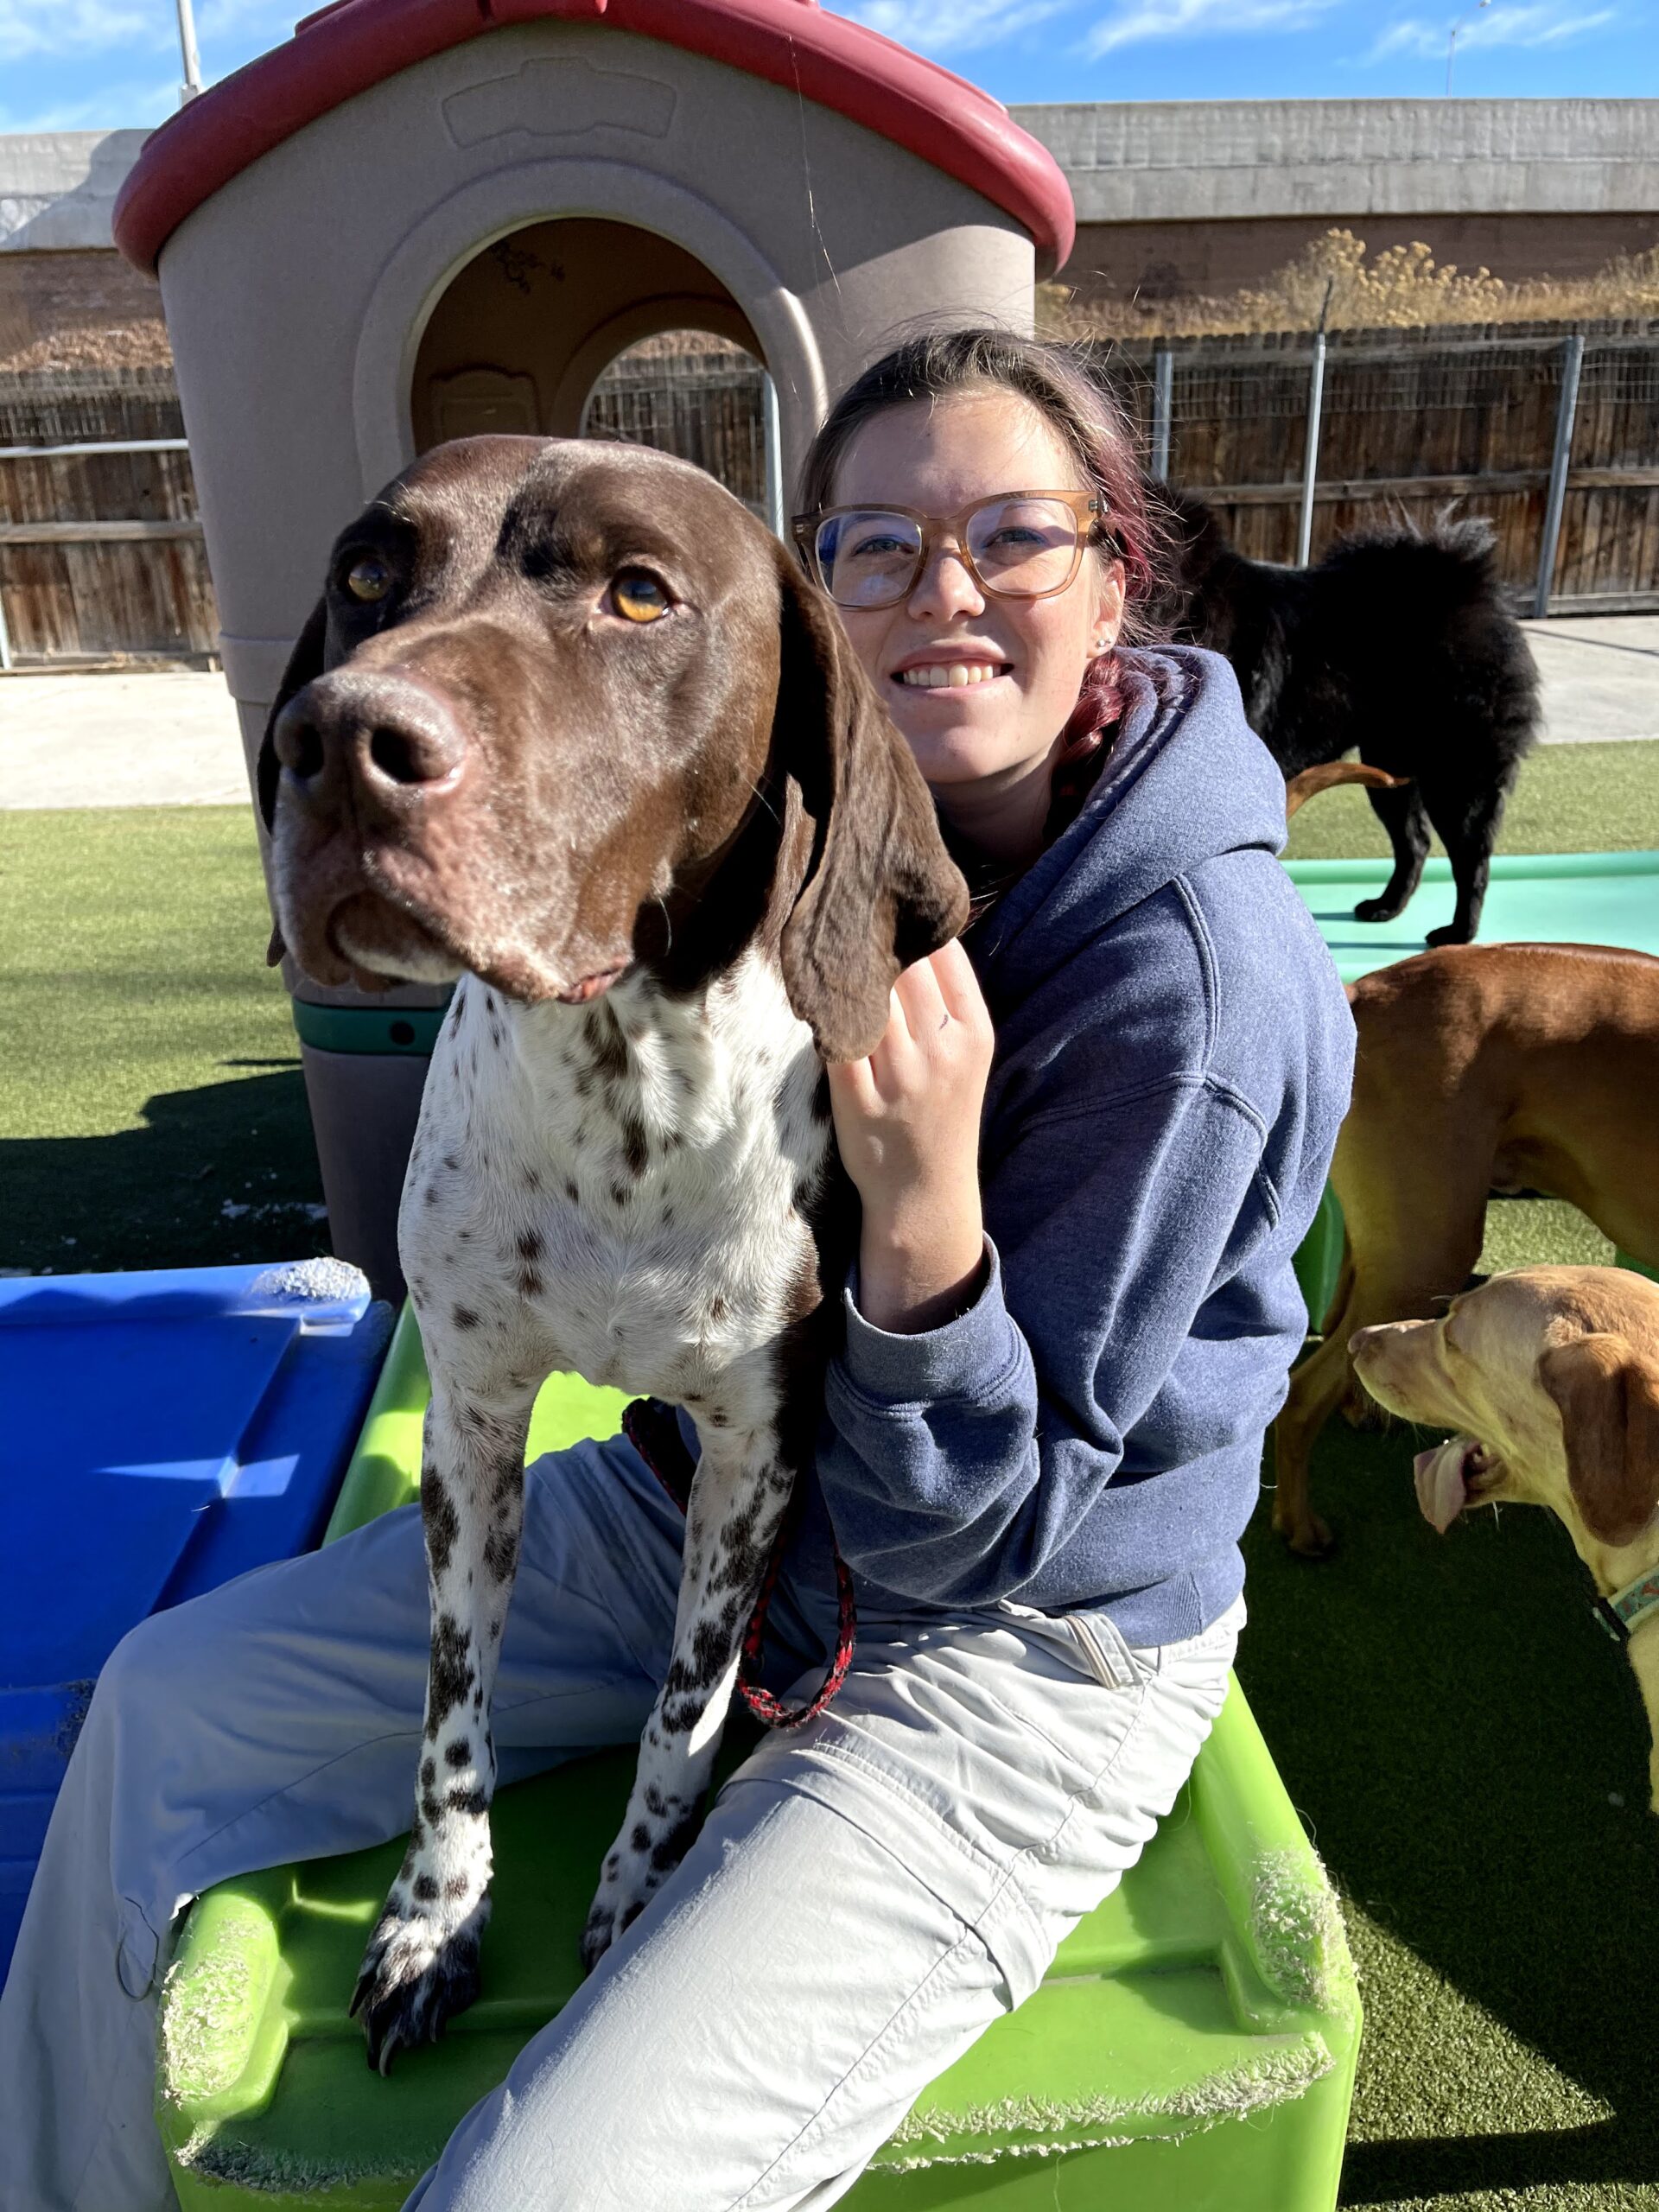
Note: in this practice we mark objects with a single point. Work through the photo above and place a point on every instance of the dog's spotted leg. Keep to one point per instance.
(737, 1504)
(421, 1961)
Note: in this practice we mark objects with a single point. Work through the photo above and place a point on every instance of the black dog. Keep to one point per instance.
(1398, 642)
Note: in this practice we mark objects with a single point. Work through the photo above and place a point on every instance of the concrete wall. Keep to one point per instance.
(1223, 161)
(57, 188)
(1175, 197)
(1172, 196)
(59, 273)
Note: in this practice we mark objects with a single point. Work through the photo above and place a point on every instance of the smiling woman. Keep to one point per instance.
(974, 508)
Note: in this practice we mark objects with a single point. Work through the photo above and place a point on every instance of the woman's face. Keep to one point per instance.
(1012, 667)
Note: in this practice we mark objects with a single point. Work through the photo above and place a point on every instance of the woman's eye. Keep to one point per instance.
(876, 549)
(369, 579)
(638, 597)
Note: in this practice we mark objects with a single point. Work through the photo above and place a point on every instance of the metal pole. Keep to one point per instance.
(95, 445)
(1451, 42)
(774, 456)
(1311, 461)
(192, 83)
(1163, 385)
(1571, 362)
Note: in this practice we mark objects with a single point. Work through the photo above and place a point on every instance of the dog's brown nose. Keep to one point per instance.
(383, 732)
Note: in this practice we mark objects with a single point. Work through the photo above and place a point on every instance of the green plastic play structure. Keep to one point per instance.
(1192, 2049)
(1555, 898)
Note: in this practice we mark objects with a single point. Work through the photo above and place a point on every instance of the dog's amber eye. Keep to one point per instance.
(638, 597)
(368, 579)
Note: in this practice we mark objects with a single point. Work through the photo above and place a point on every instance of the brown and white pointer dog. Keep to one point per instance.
(570, 729)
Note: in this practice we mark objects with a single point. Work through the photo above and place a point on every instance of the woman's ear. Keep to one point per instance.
(1108, 607)
(880, 891)
(305, 662)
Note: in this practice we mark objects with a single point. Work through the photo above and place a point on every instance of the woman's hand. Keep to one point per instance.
(908, 1122)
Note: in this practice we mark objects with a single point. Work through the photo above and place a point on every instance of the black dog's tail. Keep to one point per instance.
(1430, 602)
(1449, 564)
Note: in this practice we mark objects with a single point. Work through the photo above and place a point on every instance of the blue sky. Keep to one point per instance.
(98, 64)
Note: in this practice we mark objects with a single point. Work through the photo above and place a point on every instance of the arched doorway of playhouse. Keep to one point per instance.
(699, 394)
(549, 330)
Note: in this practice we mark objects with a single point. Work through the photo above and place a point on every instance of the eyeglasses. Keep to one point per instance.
(1018, 545)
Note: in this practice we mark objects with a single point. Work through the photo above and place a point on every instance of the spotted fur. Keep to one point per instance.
(484, 772)
(620, 1190)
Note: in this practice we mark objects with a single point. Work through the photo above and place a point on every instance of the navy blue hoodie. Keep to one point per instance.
(1174, 1056)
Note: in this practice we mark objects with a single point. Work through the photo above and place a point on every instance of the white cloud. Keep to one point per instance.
(1534, 24)
(255, 24)
(1143, 21)
(113, 107)
(954, 25)
(80, 27)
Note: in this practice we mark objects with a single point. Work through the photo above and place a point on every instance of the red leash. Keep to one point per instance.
(653, 1429)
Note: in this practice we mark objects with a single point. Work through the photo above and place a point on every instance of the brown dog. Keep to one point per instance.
(1551, 1376)
(1479, 1068)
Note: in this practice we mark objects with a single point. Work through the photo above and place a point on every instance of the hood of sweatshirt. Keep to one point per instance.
(1186, 781)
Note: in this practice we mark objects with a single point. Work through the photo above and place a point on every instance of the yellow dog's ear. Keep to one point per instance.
(1607, 1395)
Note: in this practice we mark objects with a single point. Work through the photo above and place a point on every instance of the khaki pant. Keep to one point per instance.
(868, 1894)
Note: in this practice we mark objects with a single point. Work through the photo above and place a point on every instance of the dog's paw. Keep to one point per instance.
(1310, 1538)
(1378, 910)
(658, 1831)
(622, 1896)
(420, 1969)
(1449, 933)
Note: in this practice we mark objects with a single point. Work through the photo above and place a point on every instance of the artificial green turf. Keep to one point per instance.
(152, 1112)
(1468, 1751)
(1568, 799)
(1469, 1754)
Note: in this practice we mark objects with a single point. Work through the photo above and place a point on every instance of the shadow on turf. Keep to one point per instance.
(1385, 2173)
(155, 1197)
(1452, 1727)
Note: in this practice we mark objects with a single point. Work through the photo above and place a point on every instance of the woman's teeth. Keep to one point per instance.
(957, 675)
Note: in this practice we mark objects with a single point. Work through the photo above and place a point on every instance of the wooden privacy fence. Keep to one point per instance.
(1411, 423)
(1552, 435)
(101, 556)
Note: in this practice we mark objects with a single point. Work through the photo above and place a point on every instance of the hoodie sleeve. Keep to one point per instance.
(965, 1457)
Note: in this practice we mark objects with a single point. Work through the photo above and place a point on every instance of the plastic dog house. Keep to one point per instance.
(1192, 2049)
(419, 219)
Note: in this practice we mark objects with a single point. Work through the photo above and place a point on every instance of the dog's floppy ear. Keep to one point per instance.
(880, 892)
(304, 663)
(1608, 1397)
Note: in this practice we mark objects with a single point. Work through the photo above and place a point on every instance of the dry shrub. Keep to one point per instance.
(1402, 288)
(121, 345)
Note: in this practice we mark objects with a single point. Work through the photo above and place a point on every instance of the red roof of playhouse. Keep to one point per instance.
(346, 48)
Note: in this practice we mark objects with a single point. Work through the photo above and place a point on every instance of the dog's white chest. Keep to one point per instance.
(626, 1194)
